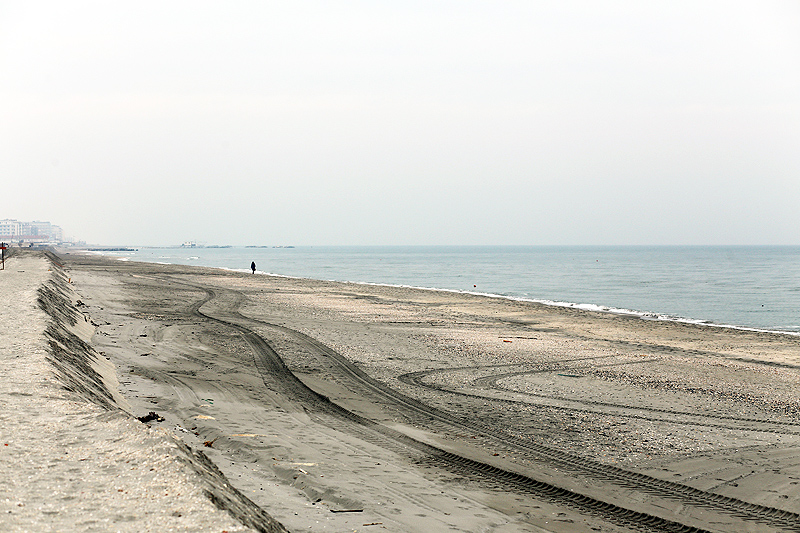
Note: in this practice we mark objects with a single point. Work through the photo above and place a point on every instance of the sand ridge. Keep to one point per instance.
(72, 459)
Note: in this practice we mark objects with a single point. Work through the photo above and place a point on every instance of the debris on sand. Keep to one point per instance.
(149, 417)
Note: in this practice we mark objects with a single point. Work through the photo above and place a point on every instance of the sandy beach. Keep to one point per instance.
(350, 407)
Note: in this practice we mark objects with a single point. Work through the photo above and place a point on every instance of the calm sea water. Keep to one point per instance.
(744, 286)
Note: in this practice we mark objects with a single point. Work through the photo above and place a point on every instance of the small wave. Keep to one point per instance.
(644, 315)
(793, 330)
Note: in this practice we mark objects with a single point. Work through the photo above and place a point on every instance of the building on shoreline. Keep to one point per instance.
(33, 232)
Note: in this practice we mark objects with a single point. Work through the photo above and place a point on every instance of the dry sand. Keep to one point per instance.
(71, 461)
(348, 407)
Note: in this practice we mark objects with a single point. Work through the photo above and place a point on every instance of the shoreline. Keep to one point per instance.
(590, 307)
(670, 401)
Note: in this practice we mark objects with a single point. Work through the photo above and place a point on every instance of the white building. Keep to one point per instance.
(9, 229)
(36, 231)
(45, 231)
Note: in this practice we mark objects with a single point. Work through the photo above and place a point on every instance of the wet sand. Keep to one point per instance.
(350, 407)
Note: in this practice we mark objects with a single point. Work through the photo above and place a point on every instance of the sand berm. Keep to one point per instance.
(72, 457)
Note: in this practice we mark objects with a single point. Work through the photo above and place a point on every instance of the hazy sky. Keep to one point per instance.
(404, 122)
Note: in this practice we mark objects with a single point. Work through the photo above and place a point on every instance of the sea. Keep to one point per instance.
(747, 287)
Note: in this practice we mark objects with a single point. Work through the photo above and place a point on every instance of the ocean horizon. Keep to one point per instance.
(748, 287)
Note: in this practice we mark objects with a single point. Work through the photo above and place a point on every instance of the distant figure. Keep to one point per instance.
(253, 267)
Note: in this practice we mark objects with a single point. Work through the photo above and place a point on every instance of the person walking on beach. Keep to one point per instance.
(253, 267)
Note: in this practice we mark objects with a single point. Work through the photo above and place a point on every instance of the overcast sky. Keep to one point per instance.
(405, 122)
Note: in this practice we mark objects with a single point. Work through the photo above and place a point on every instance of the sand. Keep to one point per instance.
(351, 407)
(72, 462)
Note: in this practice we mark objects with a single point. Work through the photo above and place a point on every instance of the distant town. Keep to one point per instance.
(30, 233)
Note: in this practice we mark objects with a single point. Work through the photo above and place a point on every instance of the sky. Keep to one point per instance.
(393, 123)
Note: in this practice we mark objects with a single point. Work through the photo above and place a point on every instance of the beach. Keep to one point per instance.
(352, 407)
